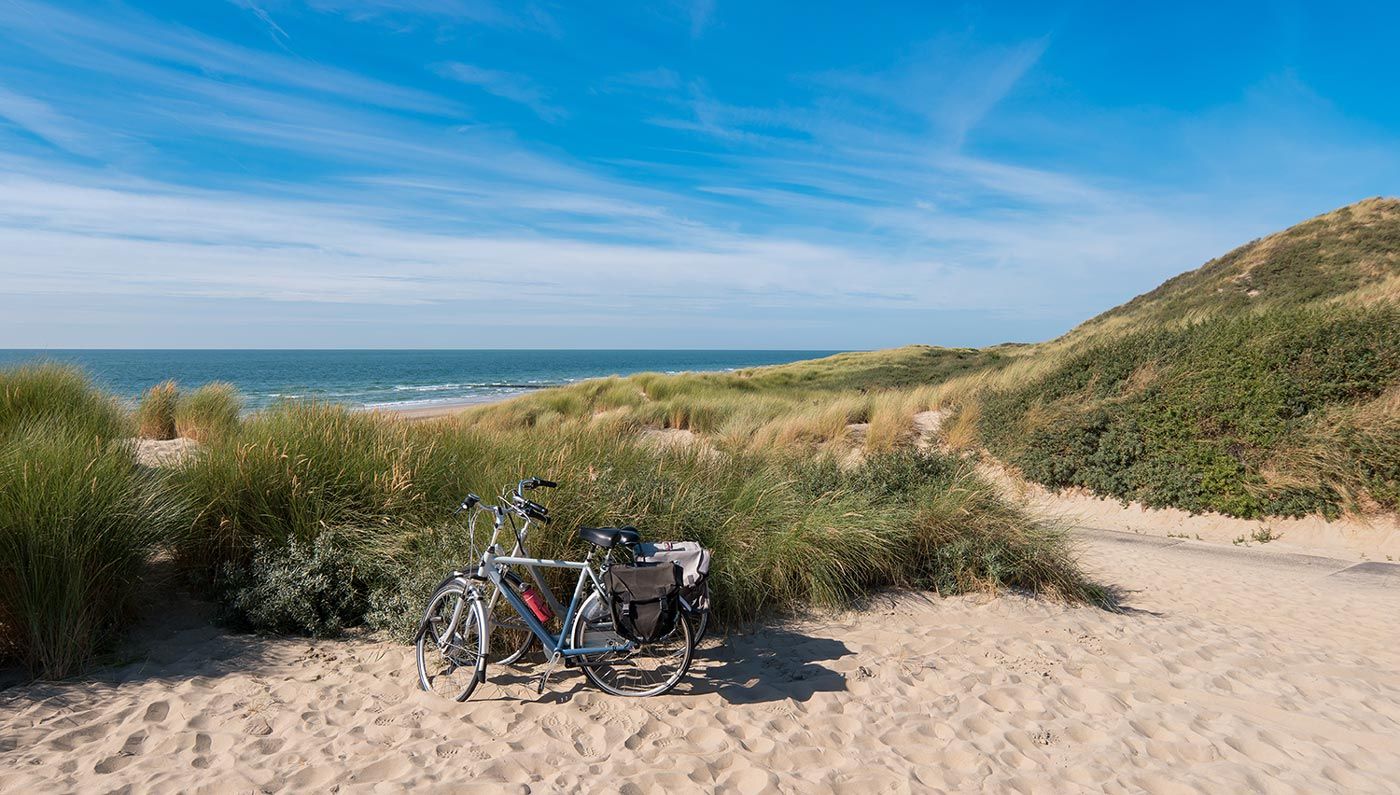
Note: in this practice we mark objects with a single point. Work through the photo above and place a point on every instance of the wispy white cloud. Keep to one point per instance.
(506, 85)
(274, 30)
(404, 14)
(659, 78)
(946, 86)
(41, 120)
(140, 48)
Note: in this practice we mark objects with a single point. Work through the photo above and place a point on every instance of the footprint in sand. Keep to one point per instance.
(71, 740)
(558, 728)
(134, 742)
(111, 764)
(584, 748)
(157, 711)
(268, 746)
(130, 750)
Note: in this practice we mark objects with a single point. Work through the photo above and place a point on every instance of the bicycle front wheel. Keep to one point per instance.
(647, 670)
(452, 659)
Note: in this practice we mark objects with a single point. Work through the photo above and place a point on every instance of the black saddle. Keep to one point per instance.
(608, 537)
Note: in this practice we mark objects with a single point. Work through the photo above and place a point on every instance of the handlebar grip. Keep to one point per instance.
(467, 503)
(548, 484)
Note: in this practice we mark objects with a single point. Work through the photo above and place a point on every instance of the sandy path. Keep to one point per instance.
(1233, 671)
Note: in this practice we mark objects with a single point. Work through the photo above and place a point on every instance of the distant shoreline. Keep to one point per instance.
(437, 410)
(441, 380)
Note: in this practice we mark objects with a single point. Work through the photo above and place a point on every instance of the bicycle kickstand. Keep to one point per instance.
(548, 669)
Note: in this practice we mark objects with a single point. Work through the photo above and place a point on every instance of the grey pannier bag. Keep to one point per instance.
(694, 561)
(644, 600)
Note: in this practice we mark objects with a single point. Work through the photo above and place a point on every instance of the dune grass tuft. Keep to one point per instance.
(155, 417)
(78, 522)
(208, 413)
(60, 393)
(78, 519)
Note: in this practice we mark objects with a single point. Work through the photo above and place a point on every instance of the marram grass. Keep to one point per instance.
(155, 416)
(62, 394)
(208, 413)
(788, 530)
(78, 523)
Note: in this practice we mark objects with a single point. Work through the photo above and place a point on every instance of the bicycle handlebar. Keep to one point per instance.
(534, 483)
(523, 506)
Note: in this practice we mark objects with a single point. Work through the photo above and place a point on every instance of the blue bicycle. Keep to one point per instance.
(454, 639)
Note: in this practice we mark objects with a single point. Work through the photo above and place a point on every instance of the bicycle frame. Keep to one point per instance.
(520, 533)
(492, 566)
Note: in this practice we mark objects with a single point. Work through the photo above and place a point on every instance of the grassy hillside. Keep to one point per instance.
(1265, 382)
(1348, 257)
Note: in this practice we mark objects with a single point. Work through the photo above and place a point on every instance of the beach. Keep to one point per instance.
(1227, 670)
(436, 410)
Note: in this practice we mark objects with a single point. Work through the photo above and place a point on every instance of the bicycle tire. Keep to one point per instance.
(702, 625)
(460, 664)
(593, 626)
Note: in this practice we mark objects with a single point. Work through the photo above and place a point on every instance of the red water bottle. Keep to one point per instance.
(536, 603)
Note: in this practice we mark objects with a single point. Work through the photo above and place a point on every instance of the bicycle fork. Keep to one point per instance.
(443, 641)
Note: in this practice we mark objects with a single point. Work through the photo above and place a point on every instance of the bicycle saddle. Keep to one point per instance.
(607, 537)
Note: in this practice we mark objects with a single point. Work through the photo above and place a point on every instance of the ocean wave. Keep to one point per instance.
(492, 385)
(462, 400)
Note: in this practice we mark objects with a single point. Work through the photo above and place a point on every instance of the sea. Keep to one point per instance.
(385, 378)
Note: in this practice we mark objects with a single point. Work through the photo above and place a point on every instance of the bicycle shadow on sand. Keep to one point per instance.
(760, 666)
(772, 663)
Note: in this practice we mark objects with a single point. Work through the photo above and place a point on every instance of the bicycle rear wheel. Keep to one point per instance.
(452, 661)
(700, 624)
(648, 670)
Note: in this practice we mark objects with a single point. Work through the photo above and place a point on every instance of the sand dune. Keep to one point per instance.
(1230, 671)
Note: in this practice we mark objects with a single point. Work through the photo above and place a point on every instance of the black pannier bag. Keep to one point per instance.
(644, 600)
(694, 561)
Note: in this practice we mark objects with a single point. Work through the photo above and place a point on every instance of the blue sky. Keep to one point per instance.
(462, 173)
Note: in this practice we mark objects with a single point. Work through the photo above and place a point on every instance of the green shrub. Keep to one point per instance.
(156, 414)
(209, 413)
(312, 588)
(78, 522)
(1191, 417)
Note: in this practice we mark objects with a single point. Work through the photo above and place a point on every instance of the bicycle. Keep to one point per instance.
(453, 641)
(516, 639)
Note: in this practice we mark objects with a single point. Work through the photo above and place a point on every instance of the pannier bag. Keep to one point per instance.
(644, 599)
(694, 561)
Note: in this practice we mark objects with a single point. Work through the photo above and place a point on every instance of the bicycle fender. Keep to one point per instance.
(449, 579)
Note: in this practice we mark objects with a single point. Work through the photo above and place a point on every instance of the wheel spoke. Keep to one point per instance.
(448, 662)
